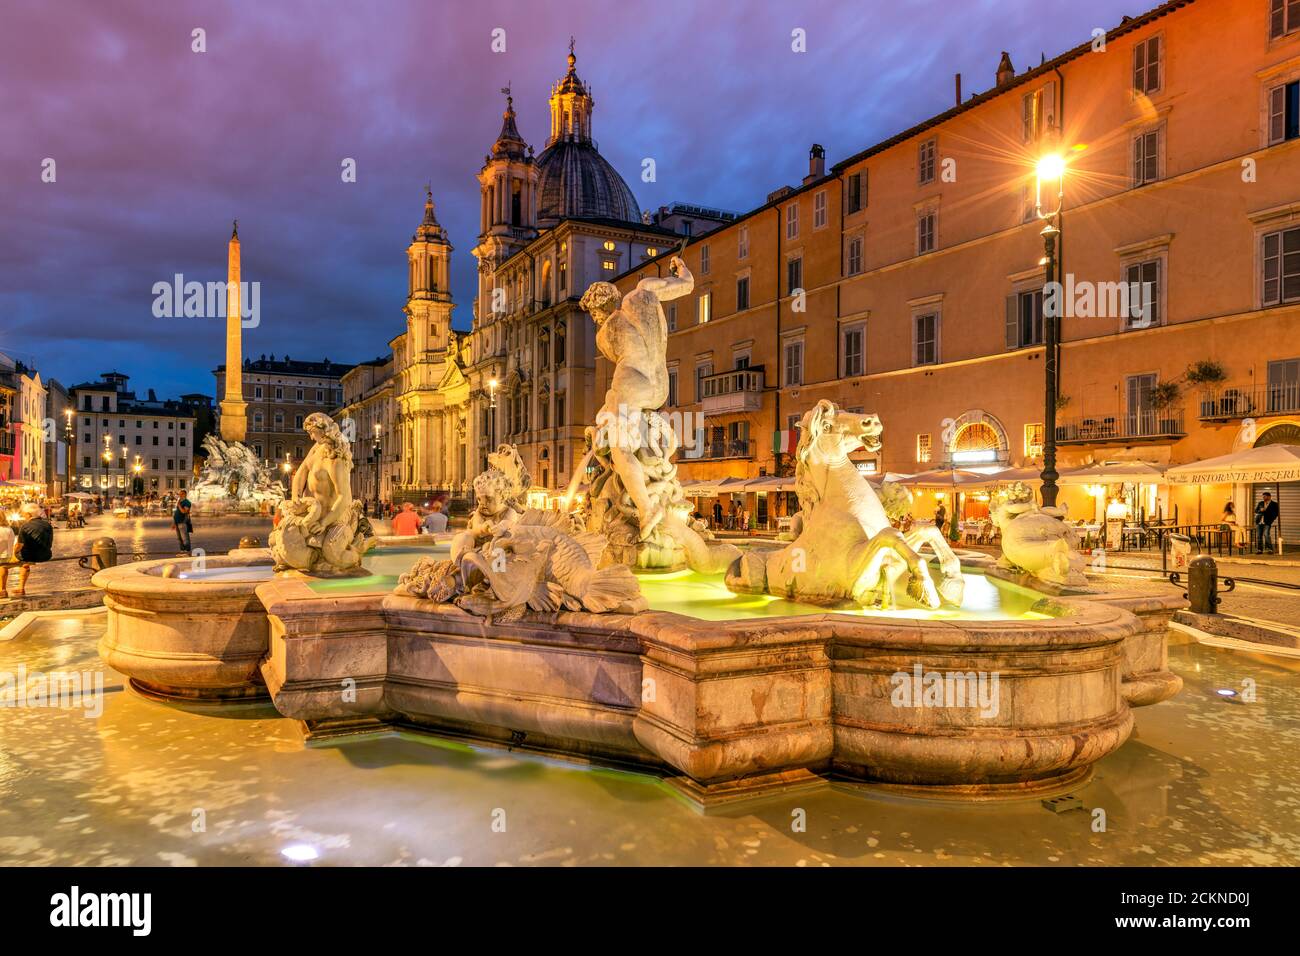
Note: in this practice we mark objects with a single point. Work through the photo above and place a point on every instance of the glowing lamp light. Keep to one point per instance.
(1051, 167)
(300, 853)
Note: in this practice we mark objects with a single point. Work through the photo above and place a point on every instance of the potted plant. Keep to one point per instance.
(1163, 397)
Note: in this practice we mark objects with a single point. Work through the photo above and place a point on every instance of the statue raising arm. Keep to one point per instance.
(677, 283)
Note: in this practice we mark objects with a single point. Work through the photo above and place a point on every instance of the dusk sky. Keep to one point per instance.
(158, 147)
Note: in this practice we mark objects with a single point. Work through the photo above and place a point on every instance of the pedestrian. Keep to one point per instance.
(8, 540)
(182, 524)
(717, 515)
(406, 521)
(435, 522)
(35, 543)
(1265, 516)
(940, 516)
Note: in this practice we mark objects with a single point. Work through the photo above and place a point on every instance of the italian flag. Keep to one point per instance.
(785, 442)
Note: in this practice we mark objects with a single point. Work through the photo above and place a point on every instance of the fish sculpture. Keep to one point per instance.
(536, 564)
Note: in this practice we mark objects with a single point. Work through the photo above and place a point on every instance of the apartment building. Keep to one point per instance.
(281, 393)
(907, 280)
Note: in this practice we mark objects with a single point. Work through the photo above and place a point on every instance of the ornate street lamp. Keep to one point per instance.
(1050, 169)
(379, 429)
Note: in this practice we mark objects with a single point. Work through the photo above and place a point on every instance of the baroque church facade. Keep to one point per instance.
(550, 224)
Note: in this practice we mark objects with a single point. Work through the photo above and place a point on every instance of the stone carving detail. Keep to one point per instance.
(635, 500)
(234, 474)
(845, 547)
(1037, 540)
(321, 528)
(531, 564)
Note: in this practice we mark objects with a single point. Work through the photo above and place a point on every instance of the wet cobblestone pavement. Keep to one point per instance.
(1204, 780)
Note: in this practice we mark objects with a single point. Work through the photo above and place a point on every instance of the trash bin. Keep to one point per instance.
(103, 553)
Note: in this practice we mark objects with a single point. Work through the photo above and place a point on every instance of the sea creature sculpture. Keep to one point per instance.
(1036, 540)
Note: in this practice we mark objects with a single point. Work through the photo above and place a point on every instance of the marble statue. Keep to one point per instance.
(532, 564)
(845, 547)
(499, 496)
(234, 474)
(1037, 540)
(635, 499)
(321, 528)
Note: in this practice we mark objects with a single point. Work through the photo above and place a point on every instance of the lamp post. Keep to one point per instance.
(137, 481)
(379, 429)
(492, 416)
(1051, 168)
(126, 479)
(71, 436)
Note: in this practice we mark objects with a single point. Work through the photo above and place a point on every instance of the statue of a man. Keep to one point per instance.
(632, 332)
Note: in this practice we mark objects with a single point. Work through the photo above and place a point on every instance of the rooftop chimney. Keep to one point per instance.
(957, 81)
(816, 163)
(1006, 72)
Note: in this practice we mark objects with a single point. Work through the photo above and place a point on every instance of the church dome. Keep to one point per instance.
(575, 181)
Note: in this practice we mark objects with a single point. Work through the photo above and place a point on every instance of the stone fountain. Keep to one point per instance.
(839, 654)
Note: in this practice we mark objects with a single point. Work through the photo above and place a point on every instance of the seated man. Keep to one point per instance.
(435, 522)
(406, 521)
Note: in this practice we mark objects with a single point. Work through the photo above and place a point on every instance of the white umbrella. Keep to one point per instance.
(771, 483)
(1264, 463)
(944, 478)
(1113, 473)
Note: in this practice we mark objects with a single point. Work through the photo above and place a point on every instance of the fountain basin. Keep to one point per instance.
(200, 638)
(725, 709)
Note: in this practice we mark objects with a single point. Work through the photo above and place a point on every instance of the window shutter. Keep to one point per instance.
(1151, 151)
(1013, 321)
(1139, 65)
(1277, 114)
(1048, 98)
(1133, 279)
(1153, 65)
(1277, 19)
(1138, 162)
(1293, 15)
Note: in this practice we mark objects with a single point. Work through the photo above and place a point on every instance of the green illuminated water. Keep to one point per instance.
(706, 597)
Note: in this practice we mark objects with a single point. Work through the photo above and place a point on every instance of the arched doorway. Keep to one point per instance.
(976, 438)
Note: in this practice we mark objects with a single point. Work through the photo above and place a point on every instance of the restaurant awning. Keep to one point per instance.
(771, 483)
(1113, 473)
(1263, 463)
(705, 488)
(944, 478)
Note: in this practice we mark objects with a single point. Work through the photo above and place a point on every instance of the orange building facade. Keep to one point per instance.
(907, 280)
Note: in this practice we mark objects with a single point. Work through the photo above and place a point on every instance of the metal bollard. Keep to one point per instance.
(1203, 585)
(250, 541)
(103, 553)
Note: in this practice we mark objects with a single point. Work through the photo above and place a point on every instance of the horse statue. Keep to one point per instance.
(845, 548)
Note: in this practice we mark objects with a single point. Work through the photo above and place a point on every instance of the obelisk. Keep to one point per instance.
(234, 420)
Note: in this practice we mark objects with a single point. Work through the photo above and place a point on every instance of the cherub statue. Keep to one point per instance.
(493, 512)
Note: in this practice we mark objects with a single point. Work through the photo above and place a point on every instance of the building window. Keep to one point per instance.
(672, 316)
(1146, 157)
(1037, 113)
(279, 393)
(672, 388)
(297, 423)
(852, 348)
(320, 395)
(742, 243)
(819, 209)
(853, 264)
(607, 266)
(298, 395)
(257, 391)
(856, 192)
(1282, 266)
(1034, 440)
(1025, 319)
(793, 363)
(925, 161)
(704, 307)
(1283, 386)
(792, 221)
(925, 230)
(925, 339)
(701, 373)
(1284, 18)
(1143, 280)
(1146, 66)
(922, 448)
(1284, 111)
(704, 259)
(793, 274)
(742, 293)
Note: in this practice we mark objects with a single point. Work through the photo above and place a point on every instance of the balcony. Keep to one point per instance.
(736, 390)
(718, 449)
(1236, 402)
(1145, 426)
